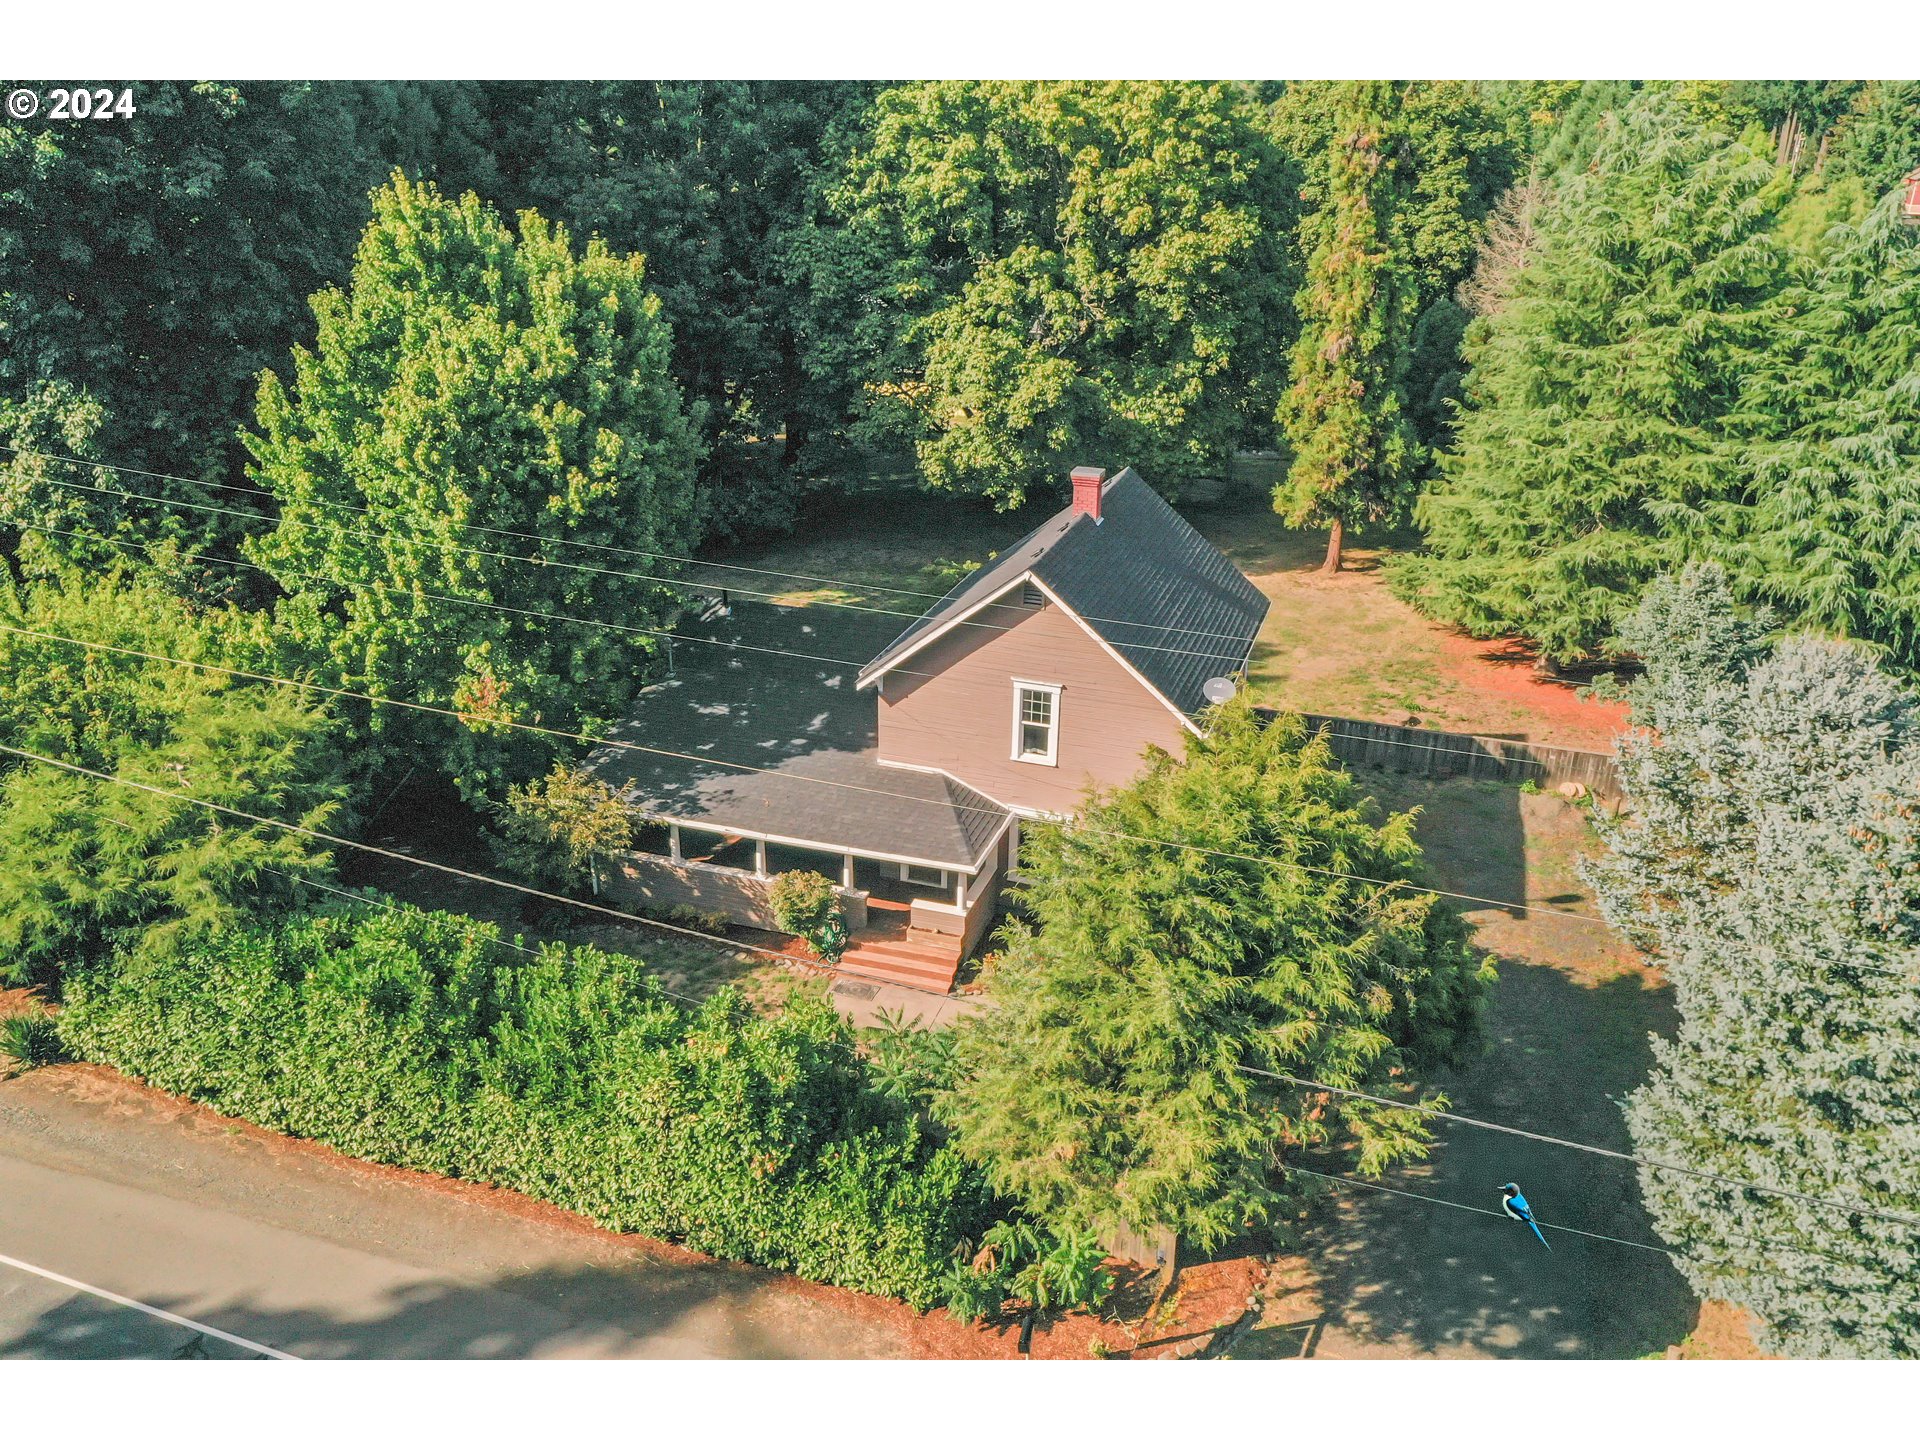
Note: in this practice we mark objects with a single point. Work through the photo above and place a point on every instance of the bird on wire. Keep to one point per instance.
(1515, 1204)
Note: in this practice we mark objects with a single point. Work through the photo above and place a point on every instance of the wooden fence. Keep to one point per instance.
(1442, 754)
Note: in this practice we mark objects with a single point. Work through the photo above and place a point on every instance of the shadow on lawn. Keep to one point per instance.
(1399, 1275)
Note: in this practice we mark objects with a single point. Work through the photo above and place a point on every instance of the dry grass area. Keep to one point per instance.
(1334, 645)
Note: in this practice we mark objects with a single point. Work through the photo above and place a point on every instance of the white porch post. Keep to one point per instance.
(673, 842)
(760, 858)
(960, 889)
(846, 872)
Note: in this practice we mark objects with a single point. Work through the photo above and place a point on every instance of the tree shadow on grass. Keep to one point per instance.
(1421, 1278)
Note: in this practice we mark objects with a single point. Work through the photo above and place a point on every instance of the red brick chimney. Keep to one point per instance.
(1087, 480)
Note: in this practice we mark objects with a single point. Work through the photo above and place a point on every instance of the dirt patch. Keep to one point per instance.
(1207, 1299)
(1725, 1332)
(1345, 645)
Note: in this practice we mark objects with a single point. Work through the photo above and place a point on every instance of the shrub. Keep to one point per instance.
(406, 1038)
(31, 1039)
(1047, 1267)
(807, 903)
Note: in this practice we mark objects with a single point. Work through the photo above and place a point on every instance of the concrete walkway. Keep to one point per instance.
(861, 1001)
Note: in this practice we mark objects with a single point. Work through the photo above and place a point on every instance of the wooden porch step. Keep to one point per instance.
(902, 965)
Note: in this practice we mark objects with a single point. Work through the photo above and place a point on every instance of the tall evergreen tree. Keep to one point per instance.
(1018, 276)
(1354, 454)
(1103, 1088)
(473, 376)
(1608, 401)
(1770, 865)
(1827, 527)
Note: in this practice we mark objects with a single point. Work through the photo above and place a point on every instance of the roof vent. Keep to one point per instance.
(1087, 480)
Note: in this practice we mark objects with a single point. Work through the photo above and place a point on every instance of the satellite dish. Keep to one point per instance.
(1219, 690)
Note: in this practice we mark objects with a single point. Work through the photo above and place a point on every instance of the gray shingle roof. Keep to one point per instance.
(803, 722)
(1145, 580)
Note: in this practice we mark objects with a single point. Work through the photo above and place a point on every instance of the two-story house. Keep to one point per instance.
(906, 777)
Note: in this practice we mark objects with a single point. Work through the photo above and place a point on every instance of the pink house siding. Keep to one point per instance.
(954, 712)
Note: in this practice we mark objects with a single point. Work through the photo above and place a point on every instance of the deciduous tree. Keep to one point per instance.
(476, 376)
(1019, 276)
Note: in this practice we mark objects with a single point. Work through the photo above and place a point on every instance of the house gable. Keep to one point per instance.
(951, 708)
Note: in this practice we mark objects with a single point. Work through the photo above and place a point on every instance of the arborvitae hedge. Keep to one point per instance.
(407, 1037)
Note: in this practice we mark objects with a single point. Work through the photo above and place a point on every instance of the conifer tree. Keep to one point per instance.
(470, 377)
(1770, 865)
(1102, 1089)
(88, 866)
(1607, 403)
(1354, 454)
(1828, 526)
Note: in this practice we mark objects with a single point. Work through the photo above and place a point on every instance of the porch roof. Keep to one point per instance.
(812, 735)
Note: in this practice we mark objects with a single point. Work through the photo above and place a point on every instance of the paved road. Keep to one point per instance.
(294, 1250)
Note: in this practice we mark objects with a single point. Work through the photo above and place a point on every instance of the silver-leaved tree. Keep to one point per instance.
(1770, 865)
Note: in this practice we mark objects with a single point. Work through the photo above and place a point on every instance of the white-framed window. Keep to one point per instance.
(924, 875)
(1036, 722)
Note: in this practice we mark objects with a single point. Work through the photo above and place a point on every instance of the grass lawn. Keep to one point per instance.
(1333, 645)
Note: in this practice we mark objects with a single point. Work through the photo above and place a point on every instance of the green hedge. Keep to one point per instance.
(404, 1037)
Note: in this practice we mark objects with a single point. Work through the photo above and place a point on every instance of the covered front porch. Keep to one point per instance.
(909, 921)
(759, 755)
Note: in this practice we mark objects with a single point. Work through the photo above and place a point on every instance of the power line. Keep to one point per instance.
(1471, 1209)
(464, 600)
(1891, 1216)
(475, 927)
(603, 571)
(386, 854)
(1071, 826)
(469, 525)
(1559, 1229)
(465, 719)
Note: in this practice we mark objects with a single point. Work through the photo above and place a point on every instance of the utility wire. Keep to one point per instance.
(475, 927)
(790, 959)
(467, 525)
(1559, 1229)
(1893, 1217)
(1275, 862)
(1470, 1209)
(418, 595)
(386, 854)
(1071, 826)
(762, 596)
(766, 597)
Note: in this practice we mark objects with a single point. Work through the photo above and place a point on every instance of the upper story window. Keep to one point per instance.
(1036, 722)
